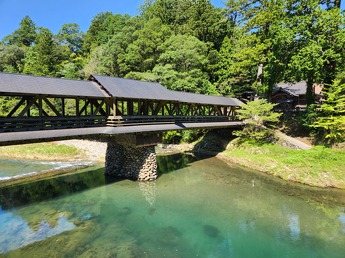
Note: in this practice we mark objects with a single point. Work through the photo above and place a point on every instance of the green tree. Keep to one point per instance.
(142, 54)
(12, 59)
(71, 36)
(207, 23)
(103, 27)
(45, 56)
(113, 61)
(24, 36)
(239, 58)
(72, 68)
(257, 115)
(330, 117)
(258, 40)
(182, 65)
(319, 51)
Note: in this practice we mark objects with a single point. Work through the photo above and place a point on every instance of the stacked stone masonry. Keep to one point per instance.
(137, 163)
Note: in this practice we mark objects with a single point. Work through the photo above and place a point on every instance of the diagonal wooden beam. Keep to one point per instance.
(28, 106)
(83, 109)
(40, 108)
(98, 107)
(52, 107)
(158, 107)
(17, 106)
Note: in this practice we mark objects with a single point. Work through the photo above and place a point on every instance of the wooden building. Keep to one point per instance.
(292, 96)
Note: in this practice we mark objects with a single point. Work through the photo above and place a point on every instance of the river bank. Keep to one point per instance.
(319, 166)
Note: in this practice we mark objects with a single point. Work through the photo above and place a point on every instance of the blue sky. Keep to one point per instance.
(53, 14)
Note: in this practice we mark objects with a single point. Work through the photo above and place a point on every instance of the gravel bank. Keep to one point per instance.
(95, 151)
(92, 150)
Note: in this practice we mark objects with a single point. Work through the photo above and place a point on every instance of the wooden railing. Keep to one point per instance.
(149, 120)
(47, 123)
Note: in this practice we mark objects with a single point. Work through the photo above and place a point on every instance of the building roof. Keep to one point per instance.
(18, 84)
(295, 89)
(134, 89)
(187, 97)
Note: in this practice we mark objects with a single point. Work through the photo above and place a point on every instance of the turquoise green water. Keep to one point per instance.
(201, 208)
(15, 168)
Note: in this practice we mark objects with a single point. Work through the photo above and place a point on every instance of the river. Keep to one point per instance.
(198, 207)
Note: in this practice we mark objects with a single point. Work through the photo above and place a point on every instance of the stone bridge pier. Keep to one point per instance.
(132, 156)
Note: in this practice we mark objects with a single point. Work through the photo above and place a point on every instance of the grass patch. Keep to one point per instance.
(319, 166)
(40, 151)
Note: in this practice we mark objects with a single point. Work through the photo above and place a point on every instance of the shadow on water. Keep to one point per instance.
(50, 188)
(173, 162)
(214, 141)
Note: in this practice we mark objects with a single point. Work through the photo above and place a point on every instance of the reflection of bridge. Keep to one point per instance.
(45, 109)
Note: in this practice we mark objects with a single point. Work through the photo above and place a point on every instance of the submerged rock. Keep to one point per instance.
(211, 231)
(169, 236)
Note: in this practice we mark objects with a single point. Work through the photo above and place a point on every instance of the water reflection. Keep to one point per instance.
(173, 162)
(294, 226)
(196, 207)
(342, 220)
(18, 195)
(148, 189)
(10, 169)
(15, 232)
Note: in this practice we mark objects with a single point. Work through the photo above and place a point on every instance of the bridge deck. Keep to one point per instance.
(12, 138)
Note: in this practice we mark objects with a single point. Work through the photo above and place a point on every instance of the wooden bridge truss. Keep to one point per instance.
(42, 103)
(41, 112)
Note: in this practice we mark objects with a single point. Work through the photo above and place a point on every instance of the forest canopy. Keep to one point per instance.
(192, 46)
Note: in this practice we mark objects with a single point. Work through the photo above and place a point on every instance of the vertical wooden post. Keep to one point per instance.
(28, 110)
(130, 107)
(77, 107)
(114, 107)
(63, 107)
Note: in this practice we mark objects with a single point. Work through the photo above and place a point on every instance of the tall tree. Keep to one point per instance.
(12, 59)
(24, 36)
(103, 27)
(44, 57)
(330, 118)
(320, 40)
(182, 65)
(258, 36)
(113, 58)
(71, 36)
(207, 23)
(142, 54)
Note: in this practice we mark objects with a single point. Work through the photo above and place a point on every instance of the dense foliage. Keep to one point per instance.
(192, 46)
(257, 116)
(330, 117)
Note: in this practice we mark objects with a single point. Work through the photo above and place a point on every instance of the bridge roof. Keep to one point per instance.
(134, 89)
(18, 84)
(187, 97)
(127, 88)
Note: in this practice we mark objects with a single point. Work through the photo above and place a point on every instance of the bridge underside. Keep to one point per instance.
(13, 138)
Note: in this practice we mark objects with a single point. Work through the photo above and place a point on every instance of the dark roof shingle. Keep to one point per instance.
(134, 89)
(27, 84)
(187, 97)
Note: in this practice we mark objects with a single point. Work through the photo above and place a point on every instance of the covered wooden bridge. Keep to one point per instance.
(127, 114)
(43, 109)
